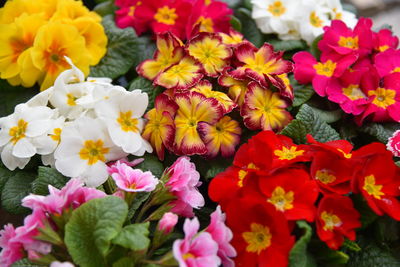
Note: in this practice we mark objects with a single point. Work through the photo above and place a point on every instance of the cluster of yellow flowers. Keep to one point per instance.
(36, 35)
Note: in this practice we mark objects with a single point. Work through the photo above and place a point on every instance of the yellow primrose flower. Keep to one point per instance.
(211, 52)
(223, 136)
(54, 41)
(169, 52)
(71, 10)
(204, 87)
(16, 40)
(193, 108)
(95, 37)
(264, 109)
(15, 8)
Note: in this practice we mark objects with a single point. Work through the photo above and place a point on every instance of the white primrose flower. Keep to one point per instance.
(18, 132)
(41, 99)
(122, 114)
(275, 16)
(84, 149)
(312, 20)
(336, 12)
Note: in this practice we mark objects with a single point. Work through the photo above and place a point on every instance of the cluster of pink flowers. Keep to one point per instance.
(20, 242)
(180, 17)
(210, 247)
(358, 69)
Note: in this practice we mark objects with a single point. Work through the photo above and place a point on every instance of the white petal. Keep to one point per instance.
(24, 149)
(72, 166)
(38, 127)
(4, 137)
(137, 103)
(95, 175)
(10, 161)
(48, 160)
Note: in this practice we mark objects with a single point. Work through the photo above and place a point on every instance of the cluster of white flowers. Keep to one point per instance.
(77, 126)
(299, 19)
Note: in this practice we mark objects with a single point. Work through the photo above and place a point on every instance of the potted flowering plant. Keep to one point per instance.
(198, 133)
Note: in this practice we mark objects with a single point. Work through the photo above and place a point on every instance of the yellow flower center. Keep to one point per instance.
(188, 256)
(338, 15)
(383, 97)
(93, 151)
(131, 12)
(288, 154)
(331, 221)
(18, 132)
(346, 155)
(56, 136)
(353, 92)
(243, 173)
(349, 42)
(277, 9)
(315, 20)
(71, 100)
(206, 24)
(127, 123)
(383, 48)
(396, 70)
(324, 177)
(258, 239)
(325, 69)
(281, 200)
(166, 15)
(372, 188)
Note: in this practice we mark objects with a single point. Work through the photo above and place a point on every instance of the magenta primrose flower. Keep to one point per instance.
(196, 249)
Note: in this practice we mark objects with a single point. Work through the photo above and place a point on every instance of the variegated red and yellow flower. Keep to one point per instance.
(223, 136)
(169, 52)
(264, 109)
(262, 65)
(160, 128)
(193, 108)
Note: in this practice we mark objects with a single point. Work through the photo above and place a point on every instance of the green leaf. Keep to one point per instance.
(288, 45)
(351, 245)
(372, 256)
(249, 27)
(143, 49)
(137, 202)
(25, 263)
(314, 47)
(236, 24)
(121, 51)
(5, 174)
(124, 262)
(309, 121)
(382, 132)
(91, 228)
(302, 94)
(216, 167)
(387, 229)
(15, 189)
(299, 256)
(232, 3)
(152, 164)
(48, 176)
(368, 216)
(147, 87)
(105, 8)
(134, 237)
(10, 96)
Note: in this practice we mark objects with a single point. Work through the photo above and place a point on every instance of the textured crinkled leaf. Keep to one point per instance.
(302, 94)
(139, 199)
(10, 96)
(382, 132)
(249, 27)
(147, 87)
(145, 47)
(121, 51)
(26, 263)
(372, 256)
(105, 8)
(5, 174)
(134, 237)
(91, 228)
(15, 189)
(48, 176)
(296, 130)
(288, 45)
(299, 256)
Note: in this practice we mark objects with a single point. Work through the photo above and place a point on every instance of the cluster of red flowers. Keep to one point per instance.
(269, 186)
(190, 116)
(358, 69)
(181, 17)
